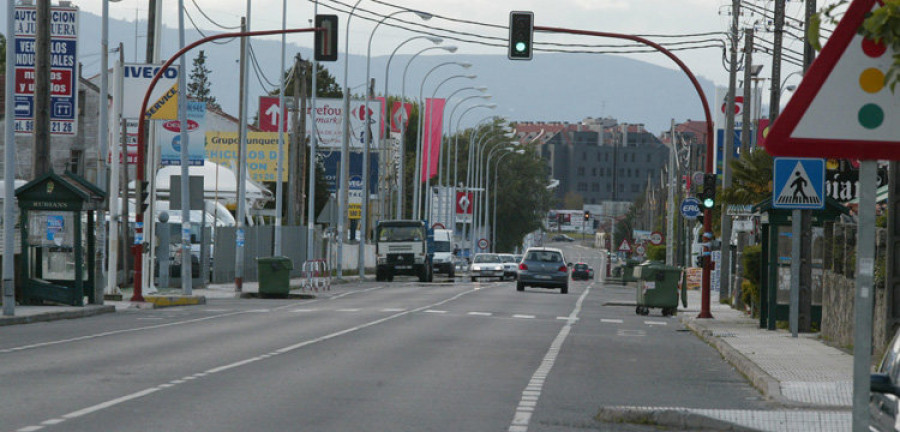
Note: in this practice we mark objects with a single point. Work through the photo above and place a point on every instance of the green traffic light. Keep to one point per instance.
(709, 202)
(521, 46)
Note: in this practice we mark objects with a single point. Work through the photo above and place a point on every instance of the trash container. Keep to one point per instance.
(274, 276)
(628, 270)
(658, 288)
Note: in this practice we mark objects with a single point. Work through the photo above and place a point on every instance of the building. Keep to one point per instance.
(599, 159)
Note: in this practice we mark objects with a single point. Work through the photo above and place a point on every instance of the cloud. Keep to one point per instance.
(601, 5)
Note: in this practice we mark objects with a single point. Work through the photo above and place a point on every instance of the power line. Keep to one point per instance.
(257, 69)
(199, 9)
(191, 19)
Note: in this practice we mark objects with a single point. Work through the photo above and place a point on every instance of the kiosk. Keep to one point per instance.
(58, 239)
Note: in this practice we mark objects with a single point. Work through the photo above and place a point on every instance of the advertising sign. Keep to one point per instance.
(331, 159)
(168, 137)
(262, 153)
(330, 118)
(136, 80)
(739, 106)
(63, 69)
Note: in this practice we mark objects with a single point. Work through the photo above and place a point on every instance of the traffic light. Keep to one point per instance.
(326, 42)
(144, 195)
(521, 31)
(587, 215)
(708, 196)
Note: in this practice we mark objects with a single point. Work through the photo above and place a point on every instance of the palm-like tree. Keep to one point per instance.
(751, 180)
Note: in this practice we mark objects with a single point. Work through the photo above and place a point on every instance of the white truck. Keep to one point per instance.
(443, 253)
(403, 247)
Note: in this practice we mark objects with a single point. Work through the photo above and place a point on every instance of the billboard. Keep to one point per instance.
(63, 69)
(330, 160)
(168, 137)
(136, 79)
(330, 118)
(262, 153)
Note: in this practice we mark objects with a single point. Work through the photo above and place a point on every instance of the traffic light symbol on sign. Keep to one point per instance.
(521, 31)
(326, 42)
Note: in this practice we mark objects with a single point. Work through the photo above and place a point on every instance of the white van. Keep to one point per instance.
(443, 252)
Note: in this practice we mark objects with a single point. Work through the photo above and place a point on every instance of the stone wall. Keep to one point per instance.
(838, 314)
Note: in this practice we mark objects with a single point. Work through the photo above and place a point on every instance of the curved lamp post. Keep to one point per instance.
(496, 192)
(445, 179)
(417, 211)
(400, 175)
(364, 220)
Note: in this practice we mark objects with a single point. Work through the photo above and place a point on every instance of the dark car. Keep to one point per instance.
(581, 271)
(885, 396)
(543, 268)
(562, 238)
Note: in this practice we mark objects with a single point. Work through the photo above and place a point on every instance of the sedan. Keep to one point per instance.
(582, 271)
(486, 265)
(543, 268)
(510, 266)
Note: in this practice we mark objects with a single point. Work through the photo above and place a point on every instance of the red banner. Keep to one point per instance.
(381, 125)
(431, 140)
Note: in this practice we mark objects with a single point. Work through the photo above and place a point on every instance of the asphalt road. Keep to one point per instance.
(400, 356)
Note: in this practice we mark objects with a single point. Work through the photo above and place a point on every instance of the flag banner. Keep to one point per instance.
(431, 140)
(396, 114)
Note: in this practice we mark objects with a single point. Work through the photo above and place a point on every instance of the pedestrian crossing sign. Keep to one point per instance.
(799, 184)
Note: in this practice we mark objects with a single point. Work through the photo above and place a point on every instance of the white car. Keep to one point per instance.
(510, 266)
(486, 265)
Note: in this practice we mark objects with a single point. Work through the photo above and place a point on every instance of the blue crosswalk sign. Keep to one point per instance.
(799, 184)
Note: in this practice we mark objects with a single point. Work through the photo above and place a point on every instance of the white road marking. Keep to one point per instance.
(481, 313)
(611, 321)
(523, 316)
(347, 310)
(532, 392)
(303, 310)
(393, 310)
(661, 323)
(565, 318)
(223, 368)
(630, 333)
(436, 311)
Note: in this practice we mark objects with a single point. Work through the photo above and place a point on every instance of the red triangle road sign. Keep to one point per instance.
(625, 246)
(842, 109)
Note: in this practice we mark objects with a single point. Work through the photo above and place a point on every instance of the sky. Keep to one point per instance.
(486, 21)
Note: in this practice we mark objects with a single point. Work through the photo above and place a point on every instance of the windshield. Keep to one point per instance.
(508, 258)
(544, 256)
(442, 246)
(487, 258)
(401, 234)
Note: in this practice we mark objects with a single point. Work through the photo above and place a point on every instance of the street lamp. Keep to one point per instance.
(400, 176)
(417, 212)
(456, 143)
(482, 172)
(485, 179)
(436, 40)
(496, 192)
(363, 229)
(428, 204)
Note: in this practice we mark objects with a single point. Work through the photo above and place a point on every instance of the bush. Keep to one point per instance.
(750, 296)
(656, 253)
(752, 261)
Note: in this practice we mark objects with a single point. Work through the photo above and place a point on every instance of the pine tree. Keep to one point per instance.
(198, 87)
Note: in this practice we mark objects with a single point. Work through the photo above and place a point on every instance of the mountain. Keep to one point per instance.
(551, 87)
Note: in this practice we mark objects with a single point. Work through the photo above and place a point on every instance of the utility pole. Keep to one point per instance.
(242, 154)
(9, 170)
(364, 219)
(294, 149)
(670, 220)
(41, 161)
(805, 300)
(745, 151)
(728, 153)
(301, 146)
(775, 90)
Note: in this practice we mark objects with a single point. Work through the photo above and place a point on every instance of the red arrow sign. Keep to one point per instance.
(269, 115)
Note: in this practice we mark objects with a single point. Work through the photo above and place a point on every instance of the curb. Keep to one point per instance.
(86, 311)
(680, 419)
(161, 301)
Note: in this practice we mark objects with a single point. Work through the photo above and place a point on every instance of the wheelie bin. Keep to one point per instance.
(658, 288)
(628, 270)
(274, 276)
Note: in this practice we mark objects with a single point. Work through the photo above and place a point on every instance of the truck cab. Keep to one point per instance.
(403, 247)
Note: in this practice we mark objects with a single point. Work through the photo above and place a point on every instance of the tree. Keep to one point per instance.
(751, 180)
(522, 197)
(199, 86)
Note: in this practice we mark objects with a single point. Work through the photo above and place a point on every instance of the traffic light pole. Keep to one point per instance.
(138, 248)
(707, 216)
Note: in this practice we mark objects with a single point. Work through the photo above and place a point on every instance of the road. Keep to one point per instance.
(402, 356)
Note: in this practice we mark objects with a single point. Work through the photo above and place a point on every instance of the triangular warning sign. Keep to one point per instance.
(625, 246)
(166, 108)
(842, 109)
(798, 190)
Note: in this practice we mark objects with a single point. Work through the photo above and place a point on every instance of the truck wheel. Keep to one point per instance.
(452, 273)
(430, 275)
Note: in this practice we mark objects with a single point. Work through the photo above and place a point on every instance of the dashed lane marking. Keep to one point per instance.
(611, 321)
(480, 313)
(523, 316)
(435, 311)
(659, 323)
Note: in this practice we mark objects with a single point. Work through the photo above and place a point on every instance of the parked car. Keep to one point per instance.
(884, 400)
(562, 238)
(486, 265)
(510, 266)
(543, 268)
(582, 271)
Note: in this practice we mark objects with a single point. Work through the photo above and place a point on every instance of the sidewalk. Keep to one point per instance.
(812, 381)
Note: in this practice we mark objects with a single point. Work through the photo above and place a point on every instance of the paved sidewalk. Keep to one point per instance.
(811, 380)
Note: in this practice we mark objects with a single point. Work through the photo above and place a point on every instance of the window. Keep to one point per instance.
(635, 188)
(595, 187)
(606, 157)
(594, 172)
(581, 171)
(629, 173)
(649, 157)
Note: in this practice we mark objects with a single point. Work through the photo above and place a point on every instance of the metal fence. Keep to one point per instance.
(258, 242)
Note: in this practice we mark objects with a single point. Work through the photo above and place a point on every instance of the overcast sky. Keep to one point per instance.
(489, 18)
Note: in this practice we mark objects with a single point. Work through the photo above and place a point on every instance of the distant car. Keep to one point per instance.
(581, 271)
(562, 238)
(510, 266)
(486, 265)
(543, 268)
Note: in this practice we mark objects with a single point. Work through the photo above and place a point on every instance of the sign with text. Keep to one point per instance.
(330, 123)
(63, 69)
(262, 153)
(330, 160)
(168, 137)
(136, 79)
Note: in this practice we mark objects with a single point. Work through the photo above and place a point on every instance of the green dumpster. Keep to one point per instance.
(274, 276)
(628, 270)
(658, 288)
